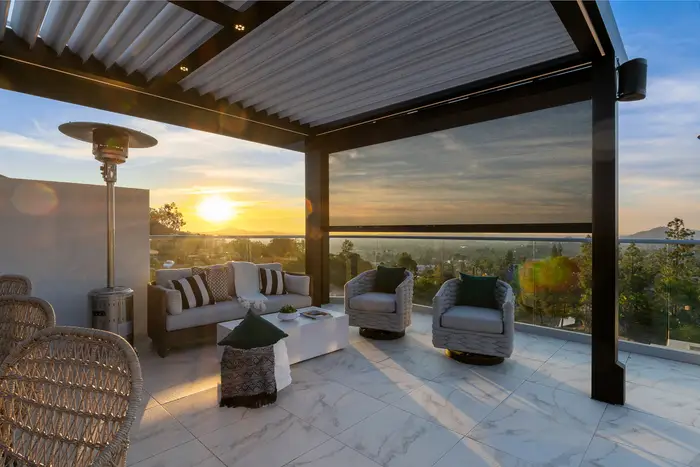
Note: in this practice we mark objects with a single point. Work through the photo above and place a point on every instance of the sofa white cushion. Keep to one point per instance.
(297, 284)
(164, 276)
(216, 313)
(374, 301)
(275, 302)
(472, 318)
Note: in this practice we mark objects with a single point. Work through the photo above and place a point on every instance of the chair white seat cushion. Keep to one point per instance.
(374, 301)
(472, 318)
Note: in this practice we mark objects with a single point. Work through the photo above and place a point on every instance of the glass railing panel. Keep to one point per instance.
(186, 251)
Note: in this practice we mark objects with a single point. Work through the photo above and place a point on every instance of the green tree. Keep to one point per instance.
(584, 260)
(406, 261)
(169, 216)
(677, 272)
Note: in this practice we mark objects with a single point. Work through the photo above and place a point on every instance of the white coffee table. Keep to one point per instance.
(308, 338)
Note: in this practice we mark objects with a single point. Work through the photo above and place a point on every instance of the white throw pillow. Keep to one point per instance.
(297, 284)
(173, 301)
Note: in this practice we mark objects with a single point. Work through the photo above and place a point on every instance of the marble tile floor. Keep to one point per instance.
(404, 404)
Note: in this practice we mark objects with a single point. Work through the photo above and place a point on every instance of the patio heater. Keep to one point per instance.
(112, 306)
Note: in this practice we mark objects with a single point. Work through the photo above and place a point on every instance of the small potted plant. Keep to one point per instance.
(288, 313)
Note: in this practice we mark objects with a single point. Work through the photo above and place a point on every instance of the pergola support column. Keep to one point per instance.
(608, 375)
(317, 242)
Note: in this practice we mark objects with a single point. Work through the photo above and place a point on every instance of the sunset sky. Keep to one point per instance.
(262, 188)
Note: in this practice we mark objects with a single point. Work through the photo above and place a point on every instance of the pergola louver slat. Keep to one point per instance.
(465, 57)
(333, 35)
(93, 26)
(403, 32)
(27, 18)
(253, 17)
(61, 20)
(4, 11)
(130, 24)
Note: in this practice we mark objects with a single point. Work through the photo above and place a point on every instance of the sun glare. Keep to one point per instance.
(216, 208)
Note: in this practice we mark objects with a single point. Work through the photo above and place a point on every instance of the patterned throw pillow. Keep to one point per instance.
(217, 280)
(194, 291)
(272, 282)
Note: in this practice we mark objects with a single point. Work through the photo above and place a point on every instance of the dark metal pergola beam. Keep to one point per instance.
(85, 83)
(572, 18)
(475, 87)
(580, 227)
(227, 17)
(529, 96)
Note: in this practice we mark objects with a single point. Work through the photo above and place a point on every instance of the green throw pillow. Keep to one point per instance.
(477, 291)
(387, 279)
(253, 332)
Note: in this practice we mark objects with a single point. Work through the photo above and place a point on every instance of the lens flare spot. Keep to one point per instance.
(34, 199)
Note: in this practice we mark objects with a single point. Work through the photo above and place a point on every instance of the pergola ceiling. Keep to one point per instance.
(300, 66)
(319, 62)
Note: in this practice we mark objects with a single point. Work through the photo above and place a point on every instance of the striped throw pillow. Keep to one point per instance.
(194, 291)
(272, 282)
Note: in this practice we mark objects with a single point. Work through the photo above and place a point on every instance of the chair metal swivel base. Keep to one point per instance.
(380, 334)
(473, 358)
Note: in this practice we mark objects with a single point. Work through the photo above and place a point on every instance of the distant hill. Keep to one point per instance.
(159, 229)
(655, 233)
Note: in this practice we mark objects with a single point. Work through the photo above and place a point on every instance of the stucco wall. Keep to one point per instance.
(55, 233)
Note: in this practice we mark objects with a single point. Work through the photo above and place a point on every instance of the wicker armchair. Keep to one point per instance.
(14, 284)
(20, 318)
(479, 331)
(68, 398)
(378, 315)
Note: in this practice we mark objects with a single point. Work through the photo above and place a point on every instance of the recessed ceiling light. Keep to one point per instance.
(239, 27)
(184, 68)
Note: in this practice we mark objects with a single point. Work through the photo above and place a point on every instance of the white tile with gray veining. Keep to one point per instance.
(332, 453)
(566, 370)
(536, 347)
(394, 438)
(420, 362)
(605, 453)
(457, 408)
(666, 375)
(191, 454)
(681, 408)
(272, 439)
(541, 424)
(651, 434)
(156, 432)
(200, 413)
(384, 383)
(327, 405)
(470, 453)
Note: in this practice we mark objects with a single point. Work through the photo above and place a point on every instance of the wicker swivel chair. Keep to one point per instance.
(15, 284)
(20, 318)
(379, 315)
(471, 334)
(68, 397)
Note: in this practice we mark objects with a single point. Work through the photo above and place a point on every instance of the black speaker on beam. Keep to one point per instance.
(633, 80)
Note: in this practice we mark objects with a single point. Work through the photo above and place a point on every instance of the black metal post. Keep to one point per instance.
(317, 247)
(608, 375)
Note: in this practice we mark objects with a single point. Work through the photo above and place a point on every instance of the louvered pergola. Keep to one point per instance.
(328, 76)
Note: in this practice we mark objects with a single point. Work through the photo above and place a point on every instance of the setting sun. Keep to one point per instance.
(216, 209)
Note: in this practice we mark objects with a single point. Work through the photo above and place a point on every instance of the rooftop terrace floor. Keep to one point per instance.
(404, 404)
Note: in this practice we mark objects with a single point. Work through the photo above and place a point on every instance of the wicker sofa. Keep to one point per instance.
(480, 331)
(198, 325)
